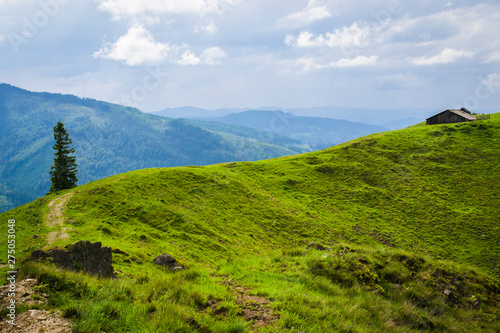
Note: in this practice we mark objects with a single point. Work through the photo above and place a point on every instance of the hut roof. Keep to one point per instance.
(464, 114)
(460, 113)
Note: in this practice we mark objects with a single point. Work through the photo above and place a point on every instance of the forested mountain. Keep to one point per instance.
(316, 132)
(108, 138)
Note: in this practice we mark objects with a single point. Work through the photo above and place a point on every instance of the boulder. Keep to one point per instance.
(92, 258)
(167, 260)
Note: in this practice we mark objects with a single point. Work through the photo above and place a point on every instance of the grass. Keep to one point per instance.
(395, 205)
(360, 290)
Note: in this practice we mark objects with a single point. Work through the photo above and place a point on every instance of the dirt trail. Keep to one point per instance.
(32, 321)
(255, 308)
(55, 218)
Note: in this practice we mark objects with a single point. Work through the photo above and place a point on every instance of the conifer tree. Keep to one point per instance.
(63, 172)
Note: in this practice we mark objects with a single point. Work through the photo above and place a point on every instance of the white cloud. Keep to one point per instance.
(313, 12)
(136, 47)
(188, 58)
(355, 62)
(446, 56)
(492, 57)
(209, 28)
(120, 8)
(356, 35)
(211, 56)
(312, 63)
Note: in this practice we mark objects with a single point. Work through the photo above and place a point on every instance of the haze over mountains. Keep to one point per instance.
(389, 118)
(318, 133)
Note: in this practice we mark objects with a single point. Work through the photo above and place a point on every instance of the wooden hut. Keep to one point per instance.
(451, 116)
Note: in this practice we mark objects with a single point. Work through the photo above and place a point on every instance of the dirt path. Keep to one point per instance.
(256, 309)
(56, 215)
(32, 321)
(55, 218)
(38, 321)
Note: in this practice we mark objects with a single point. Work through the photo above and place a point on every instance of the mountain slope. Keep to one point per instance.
(314, 131)
(108, 138)
(387, 206)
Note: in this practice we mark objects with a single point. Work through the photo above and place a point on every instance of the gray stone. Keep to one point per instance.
(165, 259)
(89, 257)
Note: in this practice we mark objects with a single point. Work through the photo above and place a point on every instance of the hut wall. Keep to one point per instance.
(446, 117)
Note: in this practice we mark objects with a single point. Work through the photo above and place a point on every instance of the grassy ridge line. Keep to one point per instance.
(429, 189)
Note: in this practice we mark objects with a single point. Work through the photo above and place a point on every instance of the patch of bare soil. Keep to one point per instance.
(256, 309)
(56, 215)
(32, 321)
(55, 235)
(38, 321)
(55, 218)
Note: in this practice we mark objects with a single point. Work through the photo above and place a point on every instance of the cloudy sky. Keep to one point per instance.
(154, 54)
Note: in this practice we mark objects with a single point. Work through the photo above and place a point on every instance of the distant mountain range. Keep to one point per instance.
(316, 132)
(110, 139)
(389, 118)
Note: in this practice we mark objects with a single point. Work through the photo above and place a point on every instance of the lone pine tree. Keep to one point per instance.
(63, 172)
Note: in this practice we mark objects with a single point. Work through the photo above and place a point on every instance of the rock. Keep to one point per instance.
(90, 257)
(166, 259)
(93, 257)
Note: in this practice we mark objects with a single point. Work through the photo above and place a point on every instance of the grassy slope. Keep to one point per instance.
(430, 190)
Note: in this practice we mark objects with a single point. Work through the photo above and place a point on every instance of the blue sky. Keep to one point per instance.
(155, 54)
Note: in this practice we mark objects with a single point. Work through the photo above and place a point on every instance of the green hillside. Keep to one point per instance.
(109, 139)
(409, 220)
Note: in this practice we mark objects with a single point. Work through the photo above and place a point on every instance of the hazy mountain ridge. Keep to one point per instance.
(317, 132)
(391, 118)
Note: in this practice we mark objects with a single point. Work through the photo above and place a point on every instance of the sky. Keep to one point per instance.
(154, 54)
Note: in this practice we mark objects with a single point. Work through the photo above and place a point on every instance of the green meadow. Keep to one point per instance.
(405, 225)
